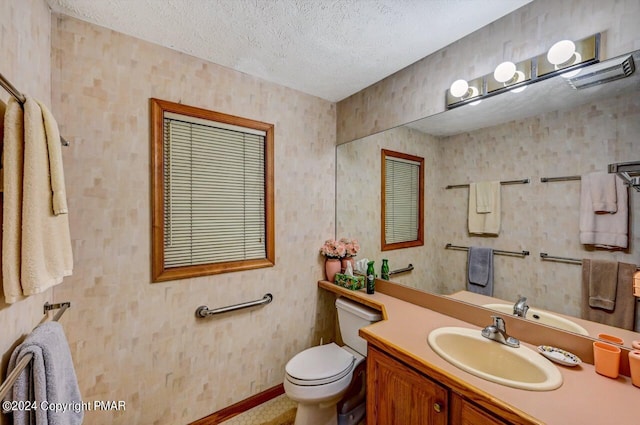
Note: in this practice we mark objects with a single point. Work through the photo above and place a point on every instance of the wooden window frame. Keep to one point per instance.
(384, 153)
(159, 272)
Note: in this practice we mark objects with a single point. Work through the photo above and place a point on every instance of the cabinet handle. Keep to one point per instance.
(437, 407)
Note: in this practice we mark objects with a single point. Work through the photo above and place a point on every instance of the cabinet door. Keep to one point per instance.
(398, 395)
(465, 413)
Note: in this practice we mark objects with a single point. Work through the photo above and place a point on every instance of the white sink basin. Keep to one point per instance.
(518, 367)
(541, 316)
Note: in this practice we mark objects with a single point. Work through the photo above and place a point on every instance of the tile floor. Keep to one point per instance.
(259, 414)
(265, 412)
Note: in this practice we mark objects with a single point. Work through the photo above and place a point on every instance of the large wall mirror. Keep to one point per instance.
(547, 130)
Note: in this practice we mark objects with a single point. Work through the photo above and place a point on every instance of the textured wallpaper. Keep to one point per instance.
(25, 46)
(140, 342)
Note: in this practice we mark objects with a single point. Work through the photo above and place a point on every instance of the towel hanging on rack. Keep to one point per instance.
(50, 377)
(36, 244)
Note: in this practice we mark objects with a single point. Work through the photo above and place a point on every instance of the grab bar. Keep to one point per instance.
(203, 310)
(24, 361)
(404, 270)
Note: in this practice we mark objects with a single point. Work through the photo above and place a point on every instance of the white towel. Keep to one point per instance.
(12, 168)
(46, 241)
(603, 192)
(610, 231)
(484, 197)
(484, 223)
(54, 148)
(36, 242)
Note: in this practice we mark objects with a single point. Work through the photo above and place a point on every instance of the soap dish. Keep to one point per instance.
(559, 356)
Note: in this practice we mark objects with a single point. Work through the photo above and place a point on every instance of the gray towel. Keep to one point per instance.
(49, 377)
(480, 270)
(624, 313)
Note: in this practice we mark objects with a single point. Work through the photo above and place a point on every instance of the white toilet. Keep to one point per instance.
(318, 377)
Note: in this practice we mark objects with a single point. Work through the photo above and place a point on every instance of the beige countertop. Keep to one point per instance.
(584, 397)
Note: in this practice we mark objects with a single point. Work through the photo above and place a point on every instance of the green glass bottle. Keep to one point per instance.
(384, 272)
(371, 278)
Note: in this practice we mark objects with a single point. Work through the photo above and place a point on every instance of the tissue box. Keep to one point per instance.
(349, 282)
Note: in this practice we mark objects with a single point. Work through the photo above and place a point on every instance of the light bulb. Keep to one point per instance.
(575, 72)
(459, 88)
(504, 72)
(561, 52)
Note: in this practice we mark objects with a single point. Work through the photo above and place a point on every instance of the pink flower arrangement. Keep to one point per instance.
(351, 246)
(340, 248)
(333, 249)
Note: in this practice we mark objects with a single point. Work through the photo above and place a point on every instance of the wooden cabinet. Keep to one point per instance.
(464, 412)
(399, 395)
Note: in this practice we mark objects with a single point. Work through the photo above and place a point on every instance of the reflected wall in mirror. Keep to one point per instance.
(548, 130)
(402, 203)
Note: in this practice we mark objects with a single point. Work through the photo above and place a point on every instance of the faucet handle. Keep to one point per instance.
(498, 322)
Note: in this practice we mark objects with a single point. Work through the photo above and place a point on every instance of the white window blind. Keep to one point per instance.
(214, 192)
(402, 179)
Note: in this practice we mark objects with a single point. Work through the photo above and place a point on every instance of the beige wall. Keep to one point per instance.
(140, 342)
(418, 90)
(130, 339)
(25, 46)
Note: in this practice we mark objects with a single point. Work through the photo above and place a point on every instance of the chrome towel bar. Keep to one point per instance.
(203, 310)
(545, 256)
(503, 183)
(7, 385)
(495, 251)
(10, 88)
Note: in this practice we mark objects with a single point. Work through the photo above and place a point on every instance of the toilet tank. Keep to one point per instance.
(351, 317)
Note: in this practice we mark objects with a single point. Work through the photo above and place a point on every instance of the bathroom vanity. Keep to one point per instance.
(397, 393)
(408, 383)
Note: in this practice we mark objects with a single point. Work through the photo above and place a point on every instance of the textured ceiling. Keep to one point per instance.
(327, 48)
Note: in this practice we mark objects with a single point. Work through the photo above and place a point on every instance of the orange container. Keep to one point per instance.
(634, 365)
(611, 339)
(606, 359)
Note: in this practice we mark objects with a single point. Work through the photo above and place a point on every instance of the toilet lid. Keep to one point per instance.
(320, 363)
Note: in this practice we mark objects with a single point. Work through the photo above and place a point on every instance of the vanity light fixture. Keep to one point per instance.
(505, 72)
(563, 54)
(510, 75)
(565, 58)
(459, 88)
(465, 92)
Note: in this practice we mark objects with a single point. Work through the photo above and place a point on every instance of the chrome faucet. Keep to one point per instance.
(498, 332)
(520, 307)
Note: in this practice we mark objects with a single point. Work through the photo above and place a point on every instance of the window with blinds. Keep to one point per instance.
(402, 200)
(213, 192)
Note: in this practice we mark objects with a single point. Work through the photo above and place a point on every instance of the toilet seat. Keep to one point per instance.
(320, 365)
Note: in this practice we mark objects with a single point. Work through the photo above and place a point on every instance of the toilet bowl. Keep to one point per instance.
(318, 377)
